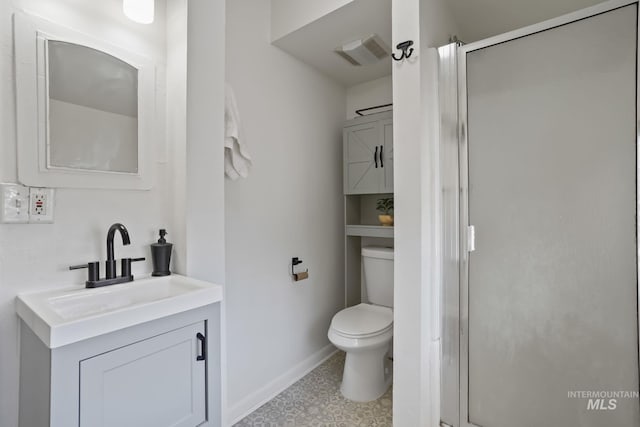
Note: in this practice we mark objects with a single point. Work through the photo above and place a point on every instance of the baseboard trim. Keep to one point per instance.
(261, 396)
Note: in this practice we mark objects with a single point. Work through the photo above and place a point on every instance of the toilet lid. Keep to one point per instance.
(362, 320)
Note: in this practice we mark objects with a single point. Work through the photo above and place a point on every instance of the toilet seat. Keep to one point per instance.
(362, 321)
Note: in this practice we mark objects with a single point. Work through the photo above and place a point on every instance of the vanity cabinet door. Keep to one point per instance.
(157, 382)
(362, 169)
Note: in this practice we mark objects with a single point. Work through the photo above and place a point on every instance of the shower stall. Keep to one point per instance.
(539, 171)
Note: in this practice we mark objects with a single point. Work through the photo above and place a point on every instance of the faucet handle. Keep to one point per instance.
(126, 266)
(94, 270)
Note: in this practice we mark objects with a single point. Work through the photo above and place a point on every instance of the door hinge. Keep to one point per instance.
(471, 238)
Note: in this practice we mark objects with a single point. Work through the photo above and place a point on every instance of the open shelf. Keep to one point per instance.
(369, 231)
(362, 228)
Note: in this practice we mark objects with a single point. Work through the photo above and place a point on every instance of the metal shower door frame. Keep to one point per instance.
(463, 356)
(449, 179)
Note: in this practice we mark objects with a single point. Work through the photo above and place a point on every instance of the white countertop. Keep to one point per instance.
(64, 316)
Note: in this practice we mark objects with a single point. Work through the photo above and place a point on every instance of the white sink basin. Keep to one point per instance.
(64, 316)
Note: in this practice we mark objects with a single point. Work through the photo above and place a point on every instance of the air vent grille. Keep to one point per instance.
(366, 51)
(374, 47)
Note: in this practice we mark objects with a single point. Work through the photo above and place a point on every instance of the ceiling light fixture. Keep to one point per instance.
(140, 11)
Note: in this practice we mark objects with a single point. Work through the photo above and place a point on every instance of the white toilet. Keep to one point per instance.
(365, 331)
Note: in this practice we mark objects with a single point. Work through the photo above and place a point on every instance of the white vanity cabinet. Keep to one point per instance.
(368, 154)
(142, 354)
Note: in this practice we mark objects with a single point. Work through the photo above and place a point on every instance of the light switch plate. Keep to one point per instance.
(41, 202)
(14, 204)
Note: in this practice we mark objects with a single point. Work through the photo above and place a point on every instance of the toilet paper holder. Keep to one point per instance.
(298, 276)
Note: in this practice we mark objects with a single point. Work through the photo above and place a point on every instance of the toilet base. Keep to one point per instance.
(367, 374)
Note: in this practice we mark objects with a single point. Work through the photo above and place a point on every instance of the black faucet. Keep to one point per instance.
(111, 278)
(111, 259)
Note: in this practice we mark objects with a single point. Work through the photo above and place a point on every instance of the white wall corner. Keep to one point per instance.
(205, 140)
(410, 406)
(263, 395)
(205, 214)
(418, 259)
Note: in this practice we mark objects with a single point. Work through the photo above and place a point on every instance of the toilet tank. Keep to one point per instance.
(378, 274)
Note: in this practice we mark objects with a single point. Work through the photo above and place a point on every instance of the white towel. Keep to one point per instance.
(237, 160)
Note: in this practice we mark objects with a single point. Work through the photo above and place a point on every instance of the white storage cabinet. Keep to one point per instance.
(368, 154)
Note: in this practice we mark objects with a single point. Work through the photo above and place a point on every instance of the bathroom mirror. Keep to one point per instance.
(92, 102)
(85, 110)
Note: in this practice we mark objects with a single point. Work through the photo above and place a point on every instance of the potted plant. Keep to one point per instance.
(386, 207)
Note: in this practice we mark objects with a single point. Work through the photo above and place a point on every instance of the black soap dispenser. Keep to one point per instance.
(161, 255)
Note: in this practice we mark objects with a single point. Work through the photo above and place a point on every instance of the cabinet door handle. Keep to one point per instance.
(375, 157)
(203, 347)
(381, 164)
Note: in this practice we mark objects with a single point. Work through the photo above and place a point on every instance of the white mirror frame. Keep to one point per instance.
(30, 37)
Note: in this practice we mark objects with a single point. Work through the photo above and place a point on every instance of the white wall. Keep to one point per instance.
(36, 256)
(177, 22)
(291, 205)
(416, 330)
(204, 200)
(205, 141)
(369, 94)
(290, 15)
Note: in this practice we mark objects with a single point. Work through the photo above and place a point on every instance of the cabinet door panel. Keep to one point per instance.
(361, 174)
(386, 129)
(156, 383)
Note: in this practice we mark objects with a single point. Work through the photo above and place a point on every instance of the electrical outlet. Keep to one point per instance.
(41, 201)
(14, 204)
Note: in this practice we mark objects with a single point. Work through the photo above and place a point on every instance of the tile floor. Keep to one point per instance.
(315, 400)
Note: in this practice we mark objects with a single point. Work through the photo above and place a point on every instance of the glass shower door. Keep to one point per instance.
(549, 295)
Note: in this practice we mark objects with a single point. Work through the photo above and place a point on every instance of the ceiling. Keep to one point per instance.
(314, 43)
(476, 19)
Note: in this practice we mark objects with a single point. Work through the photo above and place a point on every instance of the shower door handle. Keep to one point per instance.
(471, 238)
(375, 157)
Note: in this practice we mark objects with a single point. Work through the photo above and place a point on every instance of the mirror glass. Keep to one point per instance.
(92, 110)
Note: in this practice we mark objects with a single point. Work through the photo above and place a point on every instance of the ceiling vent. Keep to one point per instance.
(365, 51)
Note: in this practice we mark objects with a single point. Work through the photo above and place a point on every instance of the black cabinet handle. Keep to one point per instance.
(375, 157)
(381, 164)
(203, 347)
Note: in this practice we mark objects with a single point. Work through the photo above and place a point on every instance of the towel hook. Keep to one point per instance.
(406, 48)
